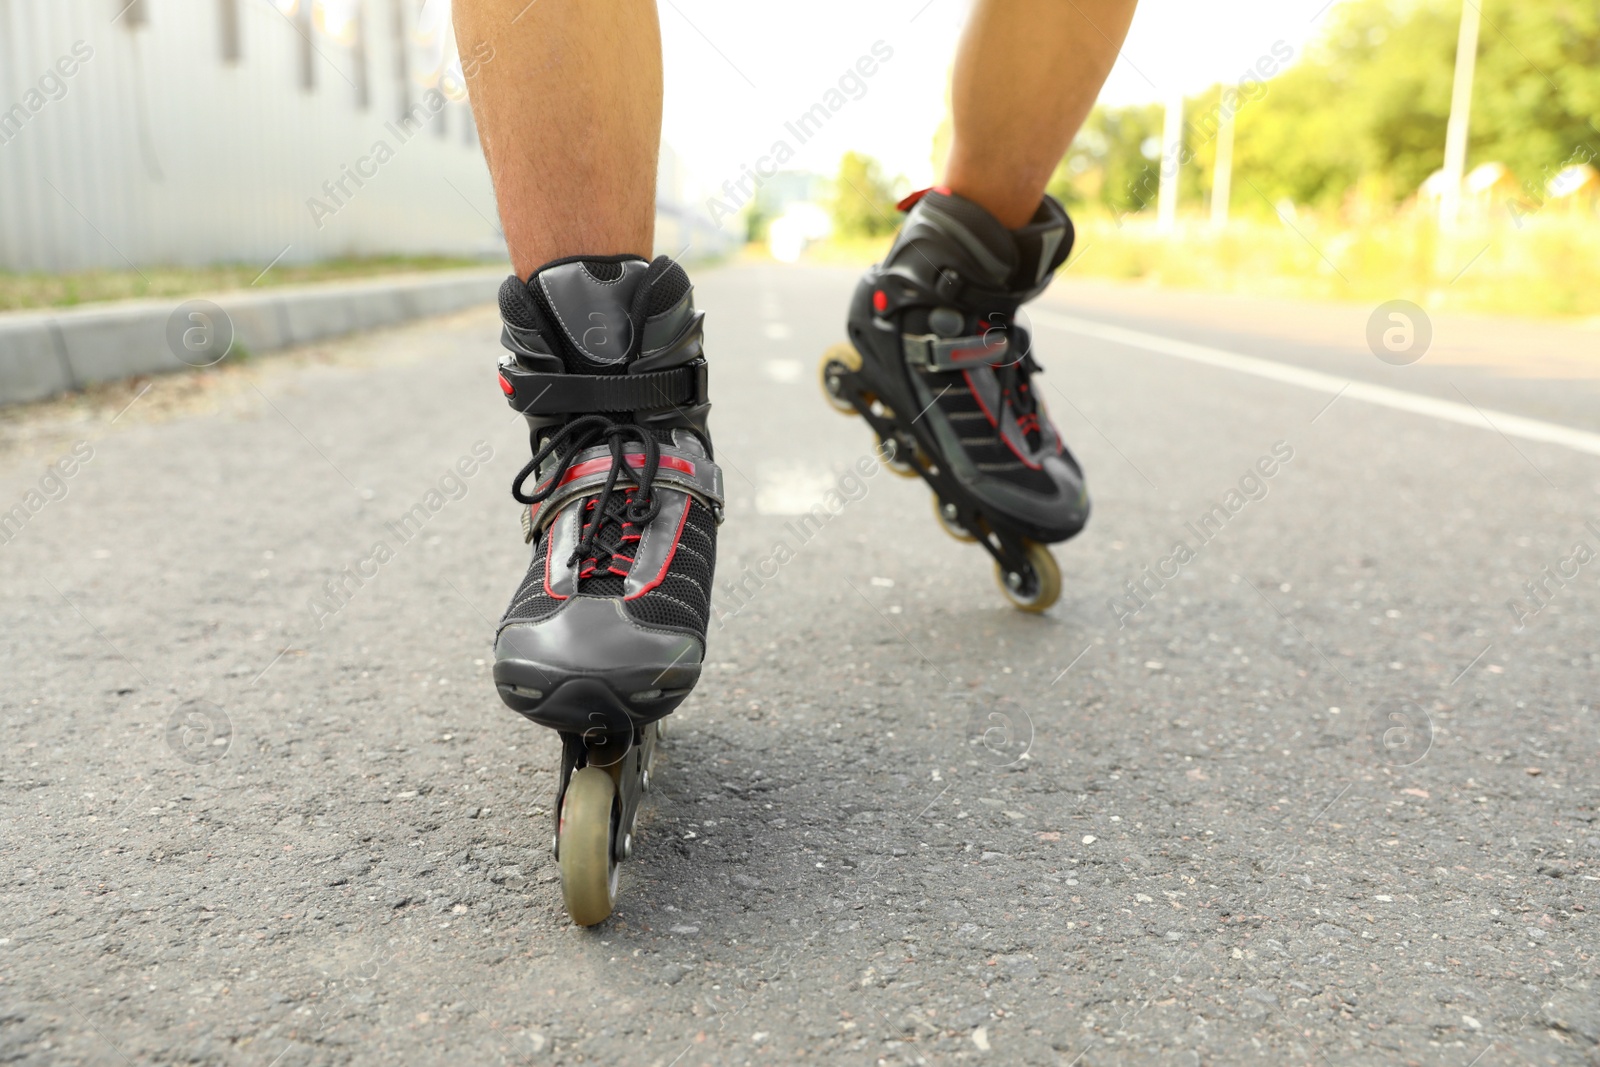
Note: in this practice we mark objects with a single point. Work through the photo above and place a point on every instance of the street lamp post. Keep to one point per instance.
(1222, 172)
(1455, 139)
(1171, 153)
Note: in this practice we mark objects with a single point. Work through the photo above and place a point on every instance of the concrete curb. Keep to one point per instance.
(46, 353)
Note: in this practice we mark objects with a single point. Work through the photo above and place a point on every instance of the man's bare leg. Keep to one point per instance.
(622, 496)
(1026, 75)
(935, 363)
(569, 112)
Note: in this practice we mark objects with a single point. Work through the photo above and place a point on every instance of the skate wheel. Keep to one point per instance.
(588, 864)
(1035, 588)
(894, 460)
(837, 361)
(946, 514)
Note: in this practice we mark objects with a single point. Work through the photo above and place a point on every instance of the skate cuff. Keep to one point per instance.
(537, 393)
(935, 353)
(902, 289)
(694, 476)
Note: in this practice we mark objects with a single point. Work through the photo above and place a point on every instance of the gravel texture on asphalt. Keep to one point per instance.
(1317, 796)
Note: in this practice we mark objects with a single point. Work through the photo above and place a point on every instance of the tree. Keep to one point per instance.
(1115, 160)
(1365, 110)
(1537, 105)
(1371, 102)
(863, 200)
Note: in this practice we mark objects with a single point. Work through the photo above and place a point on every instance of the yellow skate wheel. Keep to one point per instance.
(588, 862)
(946, 514)
(838, 360)
(1038, 586)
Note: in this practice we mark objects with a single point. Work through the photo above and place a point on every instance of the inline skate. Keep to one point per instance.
(621, 502)
(942, 371)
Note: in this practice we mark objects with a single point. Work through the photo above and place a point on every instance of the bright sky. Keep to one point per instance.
(737, 70)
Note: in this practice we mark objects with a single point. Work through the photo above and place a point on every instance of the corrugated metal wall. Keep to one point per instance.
(159, 148)
(140, 132)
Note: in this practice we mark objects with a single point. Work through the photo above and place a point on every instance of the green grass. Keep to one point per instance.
(1547, 267)
(24, 291)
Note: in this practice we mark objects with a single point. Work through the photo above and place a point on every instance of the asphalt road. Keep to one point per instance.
(1319, 796)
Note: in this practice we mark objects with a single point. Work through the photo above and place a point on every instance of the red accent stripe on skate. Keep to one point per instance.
(634, 459)
(551, 593)
(911, 201)
(1026, 462)
(981, 405)
(676, 536)
(506, 387)
(595, 466)
(976, 355)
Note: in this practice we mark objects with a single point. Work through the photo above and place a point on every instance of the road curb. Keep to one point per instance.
(46, 353)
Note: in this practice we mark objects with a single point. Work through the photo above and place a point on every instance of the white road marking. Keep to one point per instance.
(785, 371)
(1398, 399)
(791, 488)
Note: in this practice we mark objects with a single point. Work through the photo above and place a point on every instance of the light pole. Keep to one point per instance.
(1222, 172)
(1455, 138)
(1171, 151)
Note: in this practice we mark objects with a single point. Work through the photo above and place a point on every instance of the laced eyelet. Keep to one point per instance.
(637, 505)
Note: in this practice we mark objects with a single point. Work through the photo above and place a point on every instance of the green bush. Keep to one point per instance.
(863, 200)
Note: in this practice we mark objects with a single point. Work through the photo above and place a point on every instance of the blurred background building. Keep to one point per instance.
(139, 132)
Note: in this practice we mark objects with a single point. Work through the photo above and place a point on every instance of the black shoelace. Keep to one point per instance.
(610, 510)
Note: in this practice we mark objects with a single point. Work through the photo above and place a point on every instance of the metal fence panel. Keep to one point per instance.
(157, 149)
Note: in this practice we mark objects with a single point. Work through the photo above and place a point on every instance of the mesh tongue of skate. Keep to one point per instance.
(594, 578)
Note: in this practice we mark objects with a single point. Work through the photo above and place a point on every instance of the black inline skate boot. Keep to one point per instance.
(942, 370)
(622, 499)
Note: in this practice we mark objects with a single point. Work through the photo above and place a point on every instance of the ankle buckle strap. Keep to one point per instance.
(935, 353)
(542, 393)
